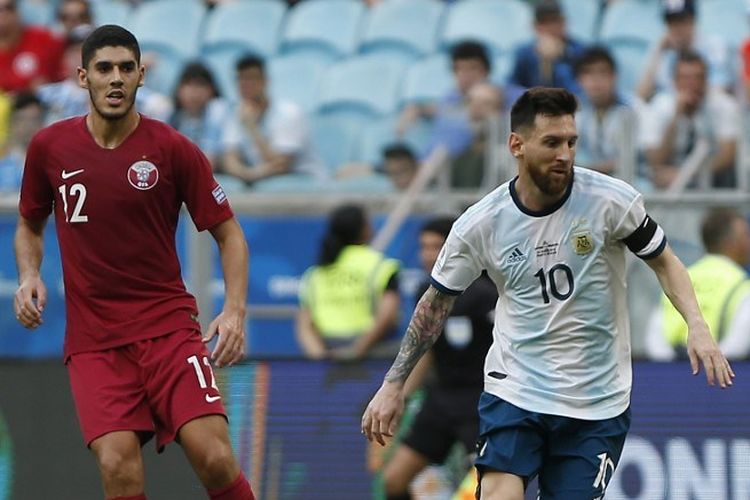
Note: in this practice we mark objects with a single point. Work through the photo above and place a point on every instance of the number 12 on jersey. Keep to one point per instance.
(78, 191)
(550, 278)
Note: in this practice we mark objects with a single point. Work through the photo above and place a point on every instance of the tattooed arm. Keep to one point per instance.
(383, 412)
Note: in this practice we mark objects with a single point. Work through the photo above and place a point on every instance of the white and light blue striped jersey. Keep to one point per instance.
(561, 336)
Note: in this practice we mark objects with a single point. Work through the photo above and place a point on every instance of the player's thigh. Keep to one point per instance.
(494, 485)
(180, 382)
(511, 440)
(108, 393)
(206, 434)
(582, 458)
(402, 468)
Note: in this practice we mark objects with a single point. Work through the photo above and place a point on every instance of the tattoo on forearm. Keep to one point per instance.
(424, 328)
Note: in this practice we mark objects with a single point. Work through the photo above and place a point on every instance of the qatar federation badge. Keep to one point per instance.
(143, 175)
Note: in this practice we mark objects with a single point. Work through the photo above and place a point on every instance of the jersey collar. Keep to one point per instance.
(547, 211)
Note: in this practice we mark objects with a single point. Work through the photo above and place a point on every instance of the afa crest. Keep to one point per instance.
(583, 243)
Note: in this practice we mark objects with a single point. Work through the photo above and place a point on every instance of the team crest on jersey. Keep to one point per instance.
(143, 175)
(583, 243)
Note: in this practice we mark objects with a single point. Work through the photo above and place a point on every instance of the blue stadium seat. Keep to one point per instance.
(727, 19)
(335, 137)
(289, 183)
(628, 20)
(630, 56)
(170, 29)
(581, 19)
(366, 184)
(37, 13)
(407, 27)
(367, 84)
(244, 27)
(329, 28)
(502, 25)
(296, 78)
(502, 66)
(222, 65)
(428, 80)
(111, 12)
(376, 135)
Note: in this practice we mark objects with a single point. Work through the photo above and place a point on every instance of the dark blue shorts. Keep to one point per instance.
(573, 458)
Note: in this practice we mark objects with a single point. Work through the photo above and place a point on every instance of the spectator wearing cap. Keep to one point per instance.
(66, 99)
(680, 20)
(606, 121)
(548, 60)
(677, 121)
(29, 55)
(200, 112)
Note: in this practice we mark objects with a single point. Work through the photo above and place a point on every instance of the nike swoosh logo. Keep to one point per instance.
(68, 175)
(211, 399)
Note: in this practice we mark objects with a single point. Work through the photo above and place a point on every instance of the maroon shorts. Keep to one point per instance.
(152, 386)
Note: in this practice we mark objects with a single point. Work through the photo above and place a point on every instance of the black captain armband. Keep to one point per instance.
(648, 240)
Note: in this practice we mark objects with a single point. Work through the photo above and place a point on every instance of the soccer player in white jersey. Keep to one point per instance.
(557, 377)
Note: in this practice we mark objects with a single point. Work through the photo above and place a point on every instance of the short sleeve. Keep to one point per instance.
(726, 118)
(37, 195)
(204, 197)
(457, 265)
(289, 131)
(654, 120)
(640, 233)
(231, 135)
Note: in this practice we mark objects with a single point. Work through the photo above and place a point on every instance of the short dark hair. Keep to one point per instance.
(547, 10)
(109, 35)
(593, 55)
(250, 61)
(26, 99)
(716, 227)
(688, 57)
(544, 101)
(398, 151)
(196, 71)
(438, 225)
(471, 49)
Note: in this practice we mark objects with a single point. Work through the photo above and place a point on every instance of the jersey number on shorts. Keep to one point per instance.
(193, 360)
(78, 191)
(551, 278)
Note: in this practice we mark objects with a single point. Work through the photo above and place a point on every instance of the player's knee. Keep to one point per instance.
(395, 481)
(120, 468)
(217, 465)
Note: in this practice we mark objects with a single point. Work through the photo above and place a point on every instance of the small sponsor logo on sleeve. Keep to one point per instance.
(219, 195)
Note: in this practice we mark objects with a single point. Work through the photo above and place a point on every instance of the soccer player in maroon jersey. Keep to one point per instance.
(137, 363)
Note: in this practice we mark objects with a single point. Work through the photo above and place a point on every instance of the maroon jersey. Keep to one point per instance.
(116, 213)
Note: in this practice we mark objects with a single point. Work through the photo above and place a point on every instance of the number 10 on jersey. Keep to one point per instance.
(549, 282)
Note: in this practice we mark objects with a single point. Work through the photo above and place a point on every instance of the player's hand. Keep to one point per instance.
(383, 413)
(230, 326)
(703, 350)
(29, 302)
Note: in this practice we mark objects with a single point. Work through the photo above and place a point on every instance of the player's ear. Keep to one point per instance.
(82, 78)
(516, 144)
(142, 79)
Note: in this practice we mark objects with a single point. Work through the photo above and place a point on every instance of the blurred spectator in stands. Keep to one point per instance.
(400, 165)
(470, 65)
(548, 60)
(200, 112)
(680, 36)
(606, 121)
(27, 117)
(722, 288)
(266, 137)
(5, 105)
(66, 98)
(71, 14)
(349, 301)
(29, 55)
(469, 167)
(677, 122)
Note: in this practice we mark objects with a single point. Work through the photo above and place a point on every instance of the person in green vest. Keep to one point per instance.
(350, 300)
(722, 288)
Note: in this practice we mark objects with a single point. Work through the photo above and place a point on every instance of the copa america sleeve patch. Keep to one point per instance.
(219, 195)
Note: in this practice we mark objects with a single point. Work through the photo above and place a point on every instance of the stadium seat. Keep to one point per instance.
(222, 64)
(171, 29)
(376, 135)
(244, 27)
(581, 19)
(502, 25)
(407, 27)
(727, 19)
(374, 183)
(289, 183)
(111, 12)
(328, 28)
(428, 80)
(628, 20)
(335, 137)
(37, 13)
(630, 56)
(502, 66)
(296, 78)
(367, 84)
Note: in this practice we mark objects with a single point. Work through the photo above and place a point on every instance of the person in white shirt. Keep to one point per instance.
(266, 137)
(677, 122)
(558, 376)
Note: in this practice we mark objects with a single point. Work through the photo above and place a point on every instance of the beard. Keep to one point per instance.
(548, 183)
(116, 114)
